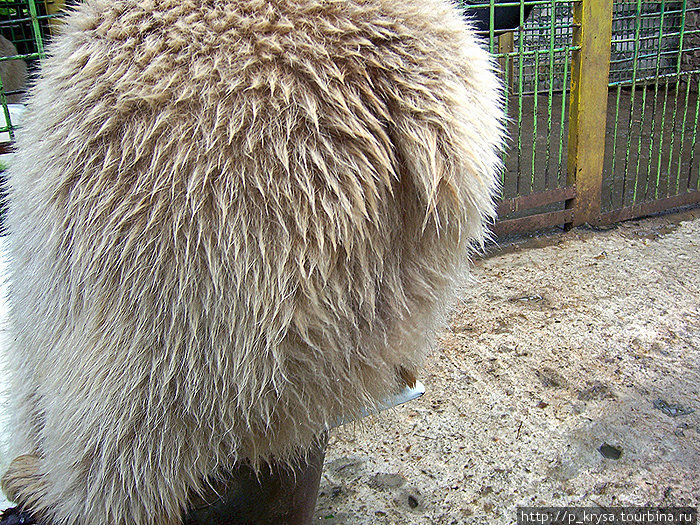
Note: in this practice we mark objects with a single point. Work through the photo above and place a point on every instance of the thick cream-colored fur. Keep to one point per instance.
(231, 221)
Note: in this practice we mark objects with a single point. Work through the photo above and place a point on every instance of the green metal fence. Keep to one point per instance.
(599, 132)
(653, 100)
(25, 26)
(602, 100)
(536, 64)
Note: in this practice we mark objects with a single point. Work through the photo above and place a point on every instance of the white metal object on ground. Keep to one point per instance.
(406, 395)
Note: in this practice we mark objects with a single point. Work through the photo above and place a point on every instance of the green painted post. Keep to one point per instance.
(588, 108)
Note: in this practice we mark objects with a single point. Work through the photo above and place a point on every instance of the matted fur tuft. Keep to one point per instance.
(231, 222)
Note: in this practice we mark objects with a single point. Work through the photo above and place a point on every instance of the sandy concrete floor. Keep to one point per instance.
(561, 346)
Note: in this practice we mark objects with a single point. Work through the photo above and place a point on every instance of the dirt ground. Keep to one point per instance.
(565, 352)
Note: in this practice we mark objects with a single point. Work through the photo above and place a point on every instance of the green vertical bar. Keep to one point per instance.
(492, 18)
(521, 46)
(505, 48)
(550, 94)
(534, 120)
(6, 113)
(680, 43)
(675, 107)
(635, 61)
(563, 118)
(656, 94)
(506, 103)
(36, 28)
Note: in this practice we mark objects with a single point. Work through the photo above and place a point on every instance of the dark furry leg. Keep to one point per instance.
(279, 495)
(17, 516)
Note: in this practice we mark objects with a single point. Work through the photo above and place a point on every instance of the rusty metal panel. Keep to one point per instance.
(535, 200)
(650, 208)
(533, 222)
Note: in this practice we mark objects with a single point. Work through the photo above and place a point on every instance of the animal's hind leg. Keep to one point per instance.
(104, 462)
(275, 494)
(22, 482)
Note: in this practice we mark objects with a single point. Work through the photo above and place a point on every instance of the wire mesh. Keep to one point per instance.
(645, 37)
(16, 26)
(25, 26)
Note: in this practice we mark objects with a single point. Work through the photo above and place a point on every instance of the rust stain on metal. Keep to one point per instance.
(535, 200)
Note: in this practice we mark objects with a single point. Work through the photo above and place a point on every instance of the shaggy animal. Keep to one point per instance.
(12, 72)
(231, 222)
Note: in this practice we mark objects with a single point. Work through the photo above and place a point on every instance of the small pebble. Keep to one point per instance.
(610, 451)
